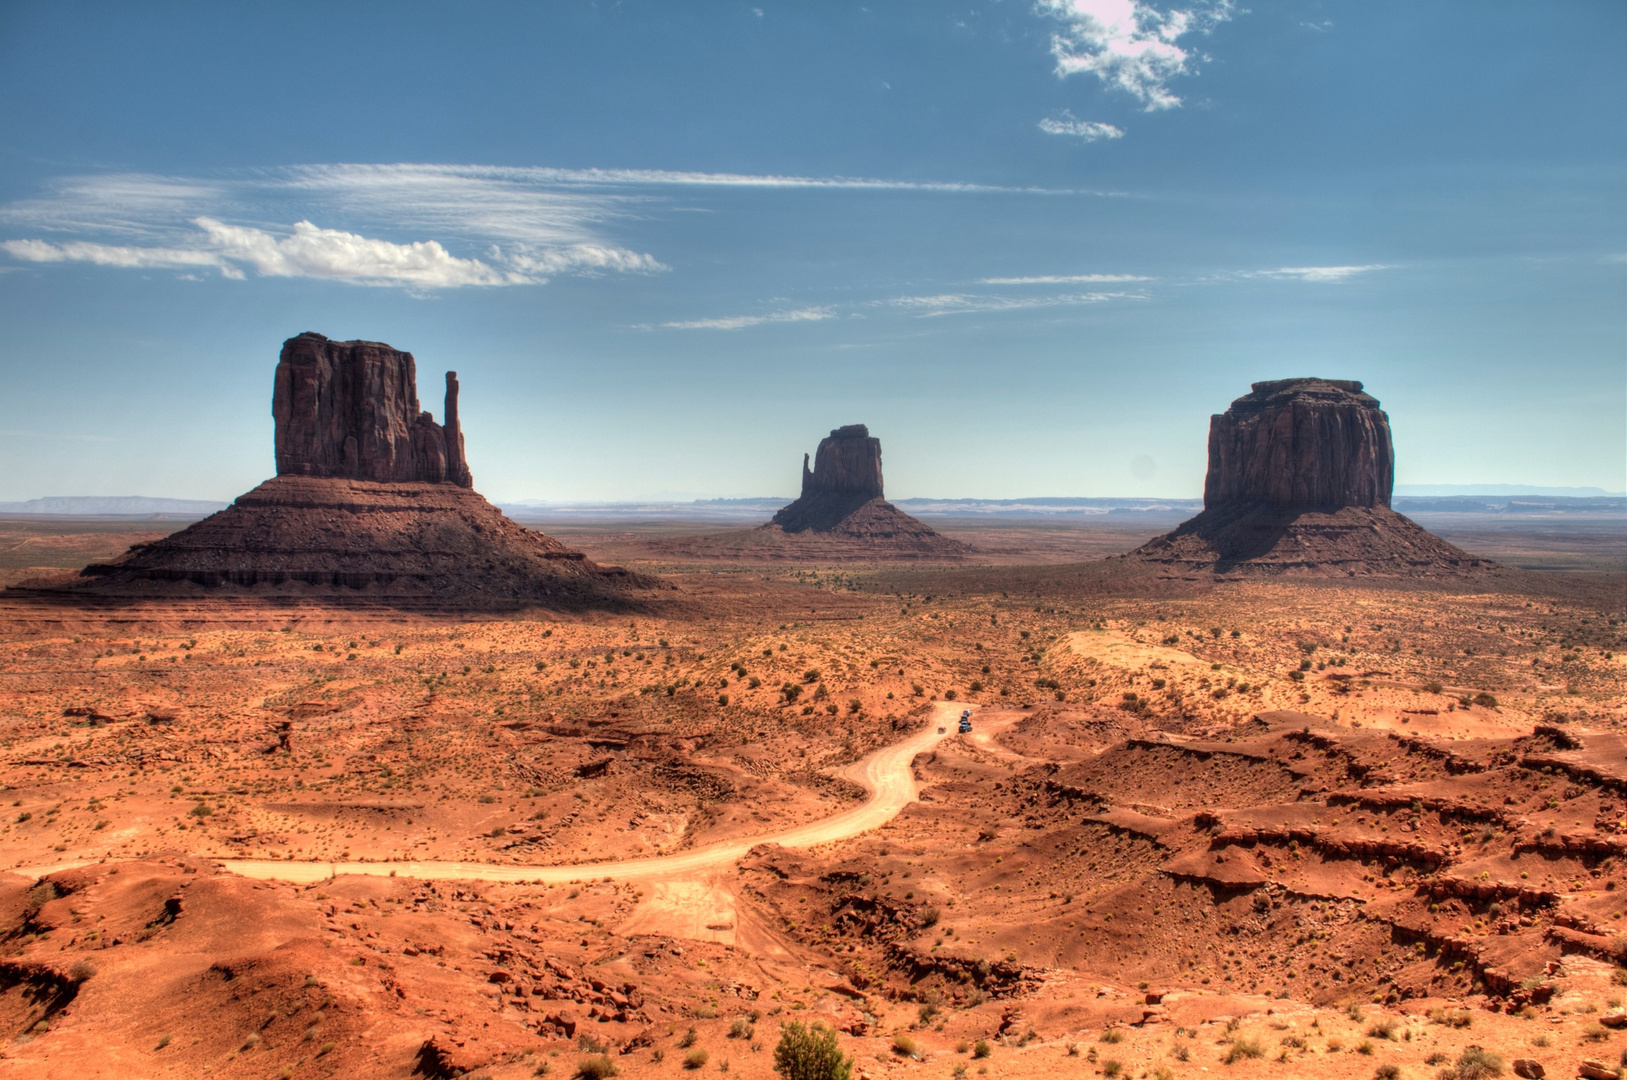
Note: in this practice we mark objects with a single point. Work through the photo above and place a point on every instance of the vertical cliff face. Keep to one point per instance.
(350, 409)
(848, 462)
(1301, 444)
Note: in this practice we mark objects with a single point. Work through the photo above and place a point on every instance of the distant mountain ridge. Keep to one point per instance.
(751, 509)
(112, 506)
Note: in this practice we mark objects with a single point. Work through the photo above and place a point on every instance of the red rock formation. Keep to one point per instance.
(1301, 443)
(848, 461)
(1300, 473)
(372, 497)
(350, 409)
(842, 500)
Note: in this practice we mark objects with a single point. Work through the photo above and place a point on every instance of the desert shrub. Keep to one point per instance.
(687, 1040)
(1386, 1071)
(982, 1049)
(1485, 700)
(1458, 1018)
(695, 1058)
(1113, 1035)
(1242, 1049)
(1595, 1033)
(1382, 1028)
(81, 970)
(741, 1028)
(905, 1045)
(1112, 1067)
(1475, 1063)
(810, 1052)
(929, 917)
(596, 1067)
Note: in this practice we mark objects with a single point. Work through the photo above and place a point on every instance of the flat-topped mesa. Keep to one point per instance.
(349, 409)
(1300, 473)
(848, 462)
(1301, 444)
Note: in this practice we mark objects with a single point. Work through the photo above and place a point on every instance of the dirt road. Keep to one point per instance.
(885, 774)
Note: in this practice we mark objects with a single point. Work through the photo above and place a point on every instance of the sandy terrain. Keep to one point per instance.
(1342, 826)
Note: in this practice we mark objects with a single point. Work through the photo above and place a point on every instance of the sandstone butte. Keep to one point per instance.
(842, 501)
(372, 498)
(1299, 481)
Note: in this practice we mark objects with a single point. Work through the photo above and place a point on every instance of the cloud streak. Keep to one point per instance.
(464, 225)
(740, 322)
(1129, 45)
(1063, 279)
(1320, 274)
(929, 307)
(1065, 123)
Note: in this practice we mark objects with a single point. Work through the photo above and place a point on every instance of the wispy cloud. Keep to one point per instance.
(1322, 274)
(1130, 45)
(1063, 279)
(740, 322)
(1065, 123)
(464, 225)
(927, 307)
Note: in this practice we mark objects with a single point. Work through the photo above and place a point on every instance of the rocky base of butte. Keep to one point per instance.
(305, 535)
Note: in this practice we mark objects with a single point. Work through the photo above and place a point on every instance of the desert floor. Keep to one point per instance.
(1290, 828)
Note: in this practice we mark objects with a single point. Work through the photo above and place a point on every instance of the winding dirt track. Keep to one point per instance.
(886, 774)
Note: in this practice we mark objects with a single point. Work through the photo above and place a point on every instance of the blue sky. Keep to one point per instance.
(1034, 245)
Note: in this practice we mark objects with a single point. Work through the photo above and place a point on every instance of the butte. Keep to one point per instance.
(1299, 481)
(372, 499)
(842, 505)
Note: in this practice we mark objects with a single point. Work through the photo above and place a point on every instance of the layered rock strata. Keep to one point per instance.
(371, 497)
(1299, 480)
(842, 502)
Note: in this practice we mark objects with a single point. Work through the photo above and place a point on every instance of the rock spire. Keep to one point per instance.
(349, 409)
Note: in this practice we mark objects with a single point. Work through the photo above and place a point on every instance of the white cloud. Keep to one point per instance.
(1062, 279)
(926, 307)
(1088, 130)
(1323, 274)
(1128, 44)
(313, 252)
(121, 255)
(464, 225)
(738, 322)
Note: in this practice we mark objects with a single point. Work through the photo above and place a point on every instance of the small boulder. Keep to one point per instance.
(1529, 1069)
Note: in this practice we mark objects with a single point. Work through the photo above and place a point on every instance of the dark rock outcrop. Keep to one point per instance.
(1299, 481)
(1301, 444)
(372, 500)
(350, 409)
(842, 502)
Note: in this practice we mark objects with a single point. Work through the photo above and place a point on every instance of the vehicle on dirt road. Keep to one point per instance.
(965, 721)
